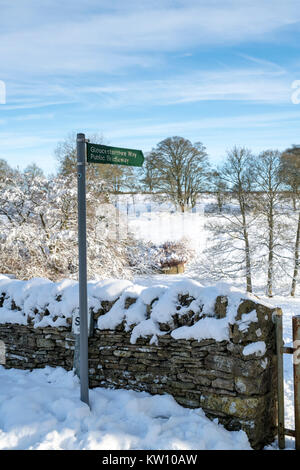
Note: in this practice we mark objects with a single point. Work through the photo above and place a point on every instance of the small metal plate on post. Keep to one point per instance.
(76, 323)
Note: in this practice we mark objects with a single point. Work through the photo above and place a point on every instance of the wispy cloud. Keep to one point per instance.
(67, 63)
(267, 64)
(88, 49)
(34, 117)
(249, 84)
(249, 121)
(242, 84)
(24, 141)
(108, 39)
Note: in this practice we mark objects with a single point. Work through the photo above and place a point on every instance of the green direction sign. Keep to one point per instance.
(114, 155)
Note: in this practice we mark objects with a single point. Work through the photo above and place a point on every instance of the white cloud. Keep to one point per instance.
(243, 84)
(249, 121)
(256, 131)
(35, 117)
(263, 84)
(18, 141)
(98, 36)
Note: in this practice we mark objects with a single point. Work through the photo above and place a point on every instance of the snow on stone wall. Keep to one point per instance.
(209, 347)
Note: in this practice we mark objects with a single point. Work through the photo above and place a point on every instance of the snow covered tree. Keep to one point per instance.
(39, 229)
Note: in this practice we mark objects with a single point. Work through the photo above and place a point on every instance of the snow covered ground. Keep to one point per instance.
(42, 409)
(158, 223)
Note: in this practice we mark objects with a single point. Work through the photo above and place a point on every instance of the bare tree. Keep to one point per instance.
(5, 170)
(231, 244)
(180, 170)
(269, 187)
(33, 171)
(149, 177)
(118, 177)
(237, 174)
(219, 187)
(290, 173)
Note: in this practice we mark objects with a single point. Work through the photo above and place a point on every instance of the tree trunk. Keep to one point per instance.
(247, 248)
(294, 201)
(220, 202)
(296, 259)
(270, 257)
(248, 263)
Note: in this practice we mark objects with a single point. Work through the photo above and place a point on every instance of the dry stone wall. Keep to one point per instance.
(233, 379)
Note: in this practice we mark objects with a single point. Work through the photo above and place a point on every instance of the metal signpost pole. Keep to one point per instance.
(95, 153)
(83, 304)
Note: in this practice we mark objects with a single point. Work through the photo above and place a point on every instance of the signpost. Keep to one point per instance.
(114, 155)
(93, 153)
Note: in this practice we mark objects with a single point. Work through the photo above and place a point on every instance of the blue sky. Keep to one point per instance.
(136, 72)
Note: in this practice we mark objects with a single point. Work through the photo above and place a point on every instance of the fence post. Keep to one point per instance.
(296, 368)
(280, 386)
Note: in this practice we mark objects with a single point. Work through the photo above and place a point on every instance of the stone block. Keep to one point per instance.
(45, 343)
(221, 306)
(122, 353)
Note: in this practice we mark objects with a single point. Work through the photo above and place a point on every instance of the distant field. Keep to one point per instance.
(159, 222)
